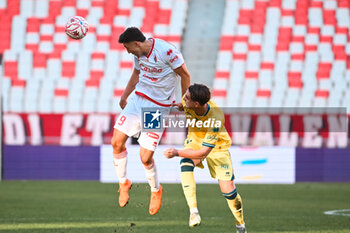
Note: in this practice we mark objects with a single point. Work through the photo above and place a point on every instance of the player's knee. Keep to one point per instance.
(117, 145)
(146, 161)
(186, 165)
(231, 195)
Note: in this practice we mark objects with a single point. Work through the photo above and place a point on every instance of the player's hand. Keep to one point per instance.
(179, 106)
(170, 153)
(122, 103)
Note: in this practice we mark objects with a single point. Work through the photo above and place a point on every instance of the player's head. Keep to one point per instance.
(132, 39)
(197, 95)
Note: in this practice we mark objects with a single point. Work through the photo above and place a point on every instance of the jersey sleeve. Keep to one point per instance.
(136, 63)
(174, 57)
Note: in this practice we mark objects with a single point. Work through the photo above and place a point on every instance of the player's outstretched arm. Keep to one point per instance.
(185, 77)
(188, 153)
(134, 79)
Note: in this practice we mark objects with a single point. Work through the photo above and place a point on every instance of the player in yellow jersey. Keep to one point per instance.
(207, 139)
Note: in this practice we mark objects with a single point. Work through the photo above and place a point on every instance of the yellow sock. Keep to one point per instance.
(235, 204)
(188, 182)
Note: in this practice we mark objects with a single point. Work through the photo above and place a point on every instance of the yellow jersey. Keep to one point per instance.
(207, 130)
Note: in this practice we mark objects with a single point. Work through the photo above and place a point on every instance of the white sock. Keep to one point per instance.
(120, 161)
(152, 177)
(193, 210)
(240, 226)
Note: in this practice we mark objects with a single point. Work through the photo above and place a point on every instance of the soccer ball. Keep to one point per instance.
(77, 27)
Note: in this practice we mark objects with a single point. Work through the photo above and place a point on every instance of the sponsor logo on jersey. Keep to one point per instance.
(149, 69)
(152, 135)
(174, 59)
(211, 137)
(150, 78)
(224, 166)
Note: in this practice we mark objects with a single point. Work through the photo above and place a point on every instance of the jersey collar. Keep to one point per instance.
(150, 52)
(207, 110)
(206, 113)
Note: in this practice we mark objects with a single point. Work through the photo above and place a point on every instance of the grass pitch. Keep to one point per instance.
(67, 207)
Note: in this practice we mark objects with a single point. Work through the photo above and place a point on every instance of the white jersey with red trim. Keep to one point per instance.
(157, 79)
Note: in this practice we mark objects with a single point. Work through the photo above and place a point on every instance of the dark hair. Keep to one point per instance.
(199, 93)
(131, 34)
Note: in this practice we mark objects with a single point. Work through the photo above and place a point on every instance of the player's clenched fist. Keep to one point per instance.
(122, 103)
(179, 106)
(170, 153)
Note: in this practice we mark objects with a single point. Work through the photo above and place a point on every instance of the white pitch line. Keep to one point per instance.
(65, 225)
(338, 212)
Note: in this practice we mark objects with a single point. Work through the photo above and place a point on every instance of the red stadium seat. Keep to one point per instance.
(219, 93)
(39, 60)
(18, 83)
(322, 93)
(10, 69)
(263, 93)
(251, 74)
(126, 64)
(68, 69)
(92, 83)
(222, 74)
(118, 92)
(226, 43)
(61, 92)
(71, 3)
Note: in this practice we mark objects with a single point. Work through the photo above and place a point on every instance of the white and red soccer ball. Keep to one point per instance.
(77, 27)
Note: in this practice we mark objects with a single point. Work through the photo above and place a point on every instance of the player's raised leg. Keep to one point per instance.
(120, 160)
(152, 177)
(189, 187)
(234, 202)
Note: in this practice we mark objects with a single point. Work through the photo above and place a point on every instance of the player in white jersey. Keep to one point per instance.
(157, 65)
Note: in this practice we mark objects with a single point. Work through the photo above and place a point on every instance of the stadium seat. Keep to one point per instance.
(18, 33)
(25, 65)
(75, 95)
(6, 85)
(16, 98)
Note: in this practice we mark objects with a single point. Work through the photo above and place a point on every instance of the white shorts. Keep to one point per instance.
(130, 121)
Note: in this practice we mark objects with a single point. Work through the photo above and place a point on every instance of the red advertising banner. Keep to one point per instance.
(57, 129)
(245, 129)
